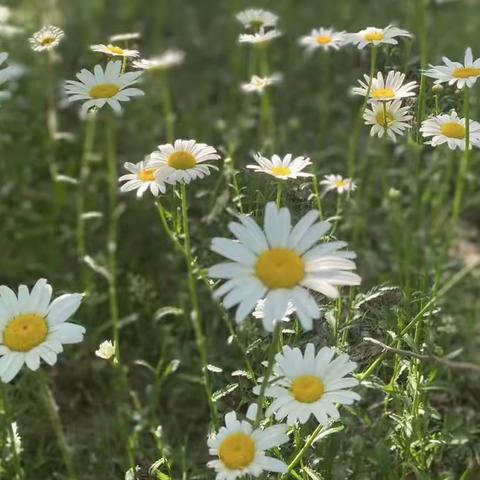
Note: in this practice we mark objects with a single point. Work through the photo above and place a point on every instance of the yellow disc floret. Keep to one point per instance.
(115, 50)
(280, 268)
(104, 90)
(47, 41)
(181, 160)
(374, 36)
(147, 175)
(307, 389)
(453, 130)
(237, 451)
(384, 122)
(323, 39)
(466, 72)
(281, 171)
(25, 332)
(383, 94)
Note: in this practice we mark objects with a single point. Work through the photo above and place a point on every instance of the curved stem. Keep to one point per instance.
(298, 457)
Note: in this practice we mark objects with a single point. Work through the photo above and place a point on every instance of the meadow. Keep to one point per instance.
(287, 285)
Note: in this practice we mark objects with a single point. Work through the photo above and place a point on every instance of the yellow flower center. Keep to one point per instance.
(281, 171)
(307, 389)
(115, 50)
(323, 39)
(380, 118)
(237, 451)
(383, 93)
(280, 268)
(25, 332)
(147, 175)
(47, 41)
(181, 160)
(466, 72)
(453, 130)
(104, 90)
(374, 36)
(341, 184)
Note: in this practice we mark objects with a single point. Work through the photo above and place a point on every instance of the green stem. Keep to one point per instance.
(463, 171)
(418, 317)
(82, 180)
(11, 433)
(278, 200)
(195, 315)
(112, 231)
(298, 457)
(352, 153)
(52, 409)
(271, 361)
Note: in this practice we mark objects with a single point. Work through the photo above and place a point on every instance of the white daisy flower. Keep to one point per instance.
(184, 161)
(47, 38)
(377, 36)
(282, 169)
(397, 119)
(324, 38)
(106, 350)
(450, 129)
(260, 309)
(338, 183)
(115, 51)
(142, 177)
(33, 328)
(124, 37)
(101, 87)
(256, 18)
(168, 59)
(308, 384)
(280, 264)
(259, 84)
(456, 72)
(262, 36)
(241, 449)
(384, 90)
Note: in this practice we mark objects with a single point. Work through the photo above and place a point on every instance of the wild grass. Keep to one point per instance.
(411, 326)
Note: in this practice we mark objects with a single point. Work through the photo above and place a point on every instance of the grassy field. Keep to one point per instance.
(181, 361)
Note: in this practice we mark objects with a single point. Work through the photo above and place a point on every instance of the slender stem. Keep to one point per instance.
(112, 230)
(271, 360)
(385, 149)
(463, 171)
(195, 314)
(82, 180)
(51, 119)
(8, 419)
(52, 409)
(203, 277)
(316, 193)
(422, 7)
(352, 153)
(279, 193)
(298, 457)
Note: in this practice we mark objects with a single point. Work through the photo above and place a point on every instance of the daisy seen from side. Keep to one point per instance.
(450, 129)
(392, 87)
(101, 87)
(115, 51)
(324, 39)
(142, 177)
(377, 36)
(338, 183)
(281, 168)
